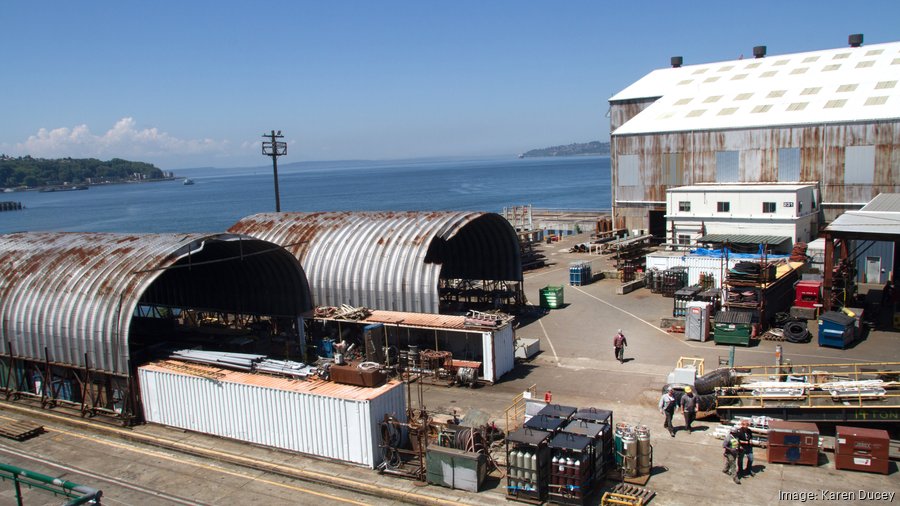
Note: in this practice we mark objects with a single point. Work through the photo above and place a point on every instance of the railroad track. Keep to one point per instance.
(279, 468)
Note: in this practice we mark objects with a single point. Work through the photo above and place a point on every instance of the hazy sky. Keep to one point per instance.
(195, 83)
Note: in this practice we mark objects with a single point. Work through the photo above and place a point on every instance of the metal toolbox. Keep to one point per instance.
(793, 443)
(861, 449)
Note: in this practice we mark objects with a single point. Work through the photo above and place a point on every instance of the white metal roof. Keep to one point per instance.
(743, 188)
(881, 216)
(831, 86)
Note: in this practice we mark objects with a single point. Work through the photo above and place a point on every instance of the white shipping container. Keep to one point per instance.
(696, 265)
(499, 351)
(315, 417)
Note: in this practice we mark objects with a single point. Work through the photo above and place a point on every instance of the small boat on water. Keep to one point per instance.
(64, 188)
(188, 181)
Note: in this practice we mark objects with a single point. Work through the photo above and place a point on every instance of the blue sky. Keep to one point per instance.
(195, 83)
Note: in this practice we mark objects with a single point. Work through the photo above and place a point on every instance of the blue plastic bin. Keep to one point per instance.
(836, 330)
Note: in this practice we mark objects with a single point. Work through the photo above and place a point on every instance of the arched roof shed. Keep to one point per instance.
(69, 297)
(391, 260)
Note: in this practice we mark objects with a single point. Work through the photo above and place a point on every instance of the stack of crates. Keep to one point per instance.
(674, 279)
(579, 273)
(551, 297)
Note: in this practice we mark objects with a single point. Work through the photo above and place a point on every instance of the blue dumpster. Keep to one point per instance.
(836, 330)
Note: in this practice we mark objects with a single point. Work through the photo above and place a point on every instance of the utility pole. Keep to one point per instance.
(274, 149)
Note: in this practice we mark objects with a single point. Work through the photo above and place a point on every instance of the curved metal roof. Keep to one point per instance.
(69, 297)
(391, 260)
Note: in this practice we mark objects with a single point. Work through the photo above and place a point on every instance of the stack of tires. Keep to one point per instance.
(705, 387)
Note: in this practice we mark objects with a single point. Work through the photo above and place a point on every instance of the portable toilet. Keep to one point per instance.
(696, 325)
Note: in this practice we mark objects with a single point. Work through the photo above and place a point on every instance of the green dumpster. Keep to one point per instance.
(733, 327)
(551, 297)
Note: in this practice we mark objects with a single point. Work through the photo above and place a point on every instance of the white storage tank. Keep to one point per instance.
(314, 417)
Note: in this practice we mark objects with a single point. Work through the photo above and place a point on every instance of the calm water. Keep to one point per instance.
(221, 197)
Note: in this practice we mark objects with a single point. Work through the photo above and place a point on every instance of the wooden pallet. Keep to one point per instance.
(20, 430)
(773, 336)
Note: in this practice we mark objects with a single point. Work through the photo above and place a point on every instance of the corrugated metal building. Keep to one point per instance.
(828, 117)
(391, 260)
(69, 303)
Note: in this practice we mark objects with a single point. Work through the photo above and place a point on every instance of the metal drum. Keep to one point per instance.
(630, 453)
(644, 460)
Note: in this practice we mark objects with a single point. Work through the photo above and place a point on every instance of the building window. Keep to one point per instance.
(684, 239)
(684, 206)
(628, 170)
(672, 172)
(768, 207)
(723, 207)
(789, 164)
(728, 166)
(859, 164)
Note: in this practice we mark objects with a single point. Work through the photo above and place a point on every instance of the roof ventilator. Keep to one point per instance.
(759, 51)
(677, 61)
(855, 39)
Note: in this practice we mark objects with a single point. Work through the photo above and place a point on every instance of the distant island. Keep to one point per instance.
(595, 148)
(73, 173)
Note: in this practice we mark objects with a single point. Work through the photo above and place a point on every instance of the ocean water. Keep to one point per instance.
(220, 197)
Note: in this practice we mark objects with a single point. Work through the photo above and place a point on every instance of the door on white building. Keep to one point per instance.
(873, 269)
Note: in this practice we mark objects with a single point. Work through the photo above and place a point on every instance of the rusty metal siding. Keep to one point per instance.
(69, 297)
(822, 151)
(622, 111)
(391, 260)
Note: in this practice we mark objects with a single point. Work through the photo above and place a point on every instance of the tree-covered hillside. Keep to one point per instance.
(32, 172)
(576, 149)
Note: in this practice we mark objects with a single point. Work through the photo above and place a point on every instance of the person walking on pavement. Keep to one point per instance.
(688, 408)
(667, 407)
(619, 343)
(745, 439)
(732, 453)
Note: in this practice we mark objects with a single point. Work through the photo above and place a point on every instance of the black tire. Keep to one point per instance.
(796, 332)
(708, 383)
(706, 402)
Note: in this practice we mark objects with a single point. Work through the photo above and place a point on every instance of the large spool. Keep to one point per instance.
(630, 454)
(644, 460)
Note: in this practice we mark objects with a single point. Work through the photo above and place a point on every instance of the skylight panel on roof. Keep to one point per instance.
(874, 52)
(841, 56)
(752, 65)
(695, 113)
(684, 101)
(776, 93)
(699, 71)
(799, 70)
(876, 100)
(896, 61)
(738, 77)
(686, 81)
(845, 88)
(829, 68)
(743, 96)
(666, 115)
(797, 106)
(836, 104)
(810, 59)
(811, 91)
(865, 64)
(726, 68)
(728, 111)
(885, 85)
(711, 79)
(780, 62)
(769, 73)
(712, 99)
(761, 108)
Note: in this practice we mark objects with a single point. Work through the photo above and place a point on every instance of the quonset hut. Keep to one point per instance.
(80, 312)
(399, 261)
(830, 118)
